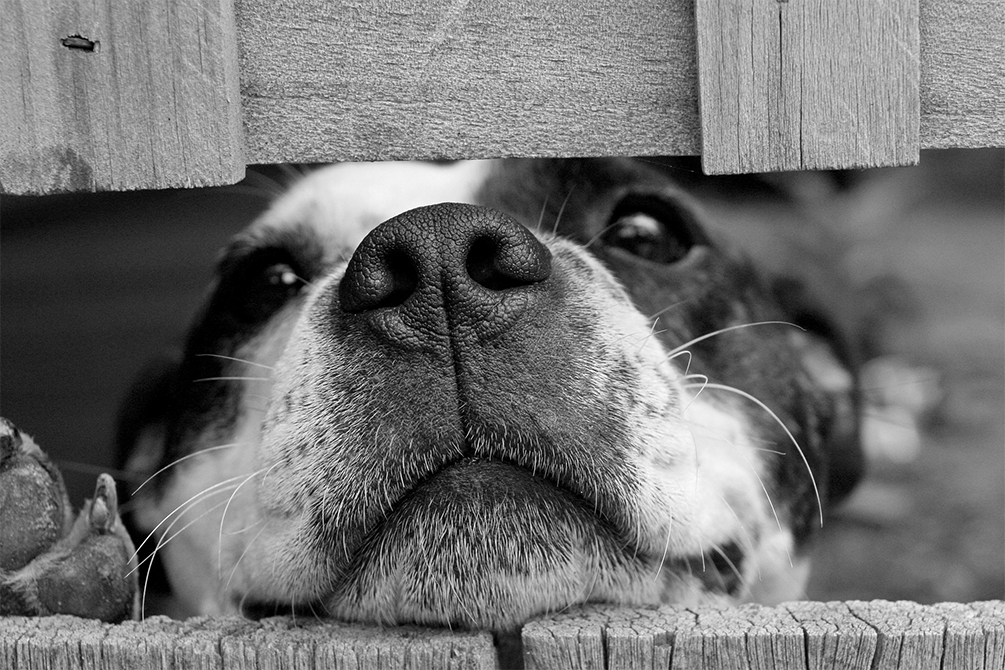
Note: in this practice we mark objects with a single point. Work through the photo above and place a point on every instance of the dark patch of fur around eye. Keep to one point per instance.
(201, 404)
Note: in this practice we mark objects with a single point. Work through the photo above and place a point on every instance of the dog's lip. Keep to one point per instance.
(485, 521)
(546, 480)
(473, 460)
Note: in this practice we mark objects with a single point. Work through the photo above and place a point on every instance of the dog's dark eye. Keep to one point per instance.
(282, 277)
(652, 229)
(257, 287)
(277, 284)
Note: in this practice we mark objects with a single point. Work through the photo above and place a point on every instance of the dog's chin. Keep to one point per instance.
(484, 544)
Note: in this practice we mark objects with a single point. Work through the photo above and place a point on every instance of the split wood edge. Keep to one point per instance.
(877, 634)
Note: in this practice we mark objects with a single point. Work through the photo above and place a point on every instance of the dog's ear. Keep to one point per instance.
(830, 359)
(143, 416)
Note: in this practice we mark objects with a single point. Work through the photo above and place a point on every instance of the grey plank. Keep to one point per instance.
(909, 635)
(834, 636)
(807, 85)
(119, 96)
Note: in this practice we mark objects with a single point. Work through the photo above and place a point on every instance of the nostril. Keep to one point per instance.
(378, 278)
(484, 266)
(403, 279)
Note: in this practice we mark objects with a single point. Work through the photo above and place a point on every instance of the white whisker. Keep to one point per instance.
(718, 550)
(770, 451)
(683, 352)
(625, 336)
(161, 542)
(743, 527)
(666, 309)
(264, 525)
(703, 382)
(601, 233)
(561, 210)
(540, 218)
(652, 331)
(771, 504)
(306, 282)
(184, 458)
(223, 519)
(729, 328)
(666, 549)
(237, 360)
(809, 470)
(219, 487)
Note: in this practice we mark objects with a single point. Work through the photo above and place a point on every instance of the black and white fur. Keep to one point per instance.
(564, 387)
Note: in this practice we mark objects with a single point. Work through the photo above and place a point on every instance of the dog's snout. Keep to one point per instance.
(461, 260)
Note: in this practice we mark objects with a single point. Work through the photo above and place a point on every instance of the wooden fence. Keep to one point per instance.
(127, 94)
(806, 636)
(130, 94)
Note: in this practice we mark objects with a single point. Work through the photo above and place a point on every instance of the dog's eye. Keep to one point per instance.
(257, 288)
(282, 278)
(652, 229)
(277, 284)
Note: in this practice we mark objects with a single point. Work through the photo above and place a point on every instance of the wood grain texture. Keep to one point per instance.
(453, 79)
(816, 636)
(232, 644)
(362, 79)
(962, 73)
(156, 102)
(807, 84)
(118, 95)
(880, 635)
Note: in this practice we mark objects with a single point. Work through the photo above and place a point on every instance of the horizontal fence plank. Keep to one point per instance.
(158, 643)
(440, 79)
(880, 635)
(435, 78)
(169, 93)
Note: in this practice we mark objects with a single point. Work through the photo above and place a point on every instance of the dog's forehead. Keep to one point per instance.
(342, 203)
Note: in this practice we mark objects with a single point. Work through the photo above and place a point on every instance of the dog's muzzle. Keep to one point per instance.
(458, 424)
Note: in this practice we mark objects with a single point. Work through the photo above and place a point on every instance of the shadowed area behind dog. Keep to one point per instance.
(91, 285)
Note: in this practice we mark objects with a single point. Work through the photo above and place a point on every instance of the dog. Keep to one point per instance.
(468, 393)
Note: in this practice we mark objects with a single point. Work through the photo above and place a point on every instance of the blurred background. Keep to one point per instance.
(92, 285)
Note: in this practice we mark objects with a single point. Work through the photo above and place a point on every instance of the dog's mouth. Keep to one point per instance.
(482, 542)
(470, 497)
(487, 543)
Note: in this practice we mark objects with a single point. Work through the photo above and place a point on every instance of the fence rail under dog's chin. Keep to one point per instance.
(879, 635)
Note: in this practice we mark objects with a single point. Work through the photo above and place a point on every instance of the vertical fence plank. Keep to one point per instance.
(807, 84)
(118, 95)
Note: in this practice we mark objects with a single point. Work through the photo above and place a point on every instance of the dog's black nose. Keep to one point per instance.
(436, 269)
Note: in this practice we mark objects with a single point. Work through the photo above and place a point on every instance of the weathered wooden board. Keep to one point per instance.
(807, 84)
(356, 81)
(962, 74)
(118, 95)
(233, 644)
(361, 79)
(816, 636)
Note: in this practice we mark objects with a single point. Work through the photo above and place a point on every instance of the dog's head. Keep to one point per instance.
(469, 393)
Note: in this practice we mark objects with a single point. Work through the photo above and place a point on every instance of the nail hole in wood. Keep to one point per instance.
(78, 43)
